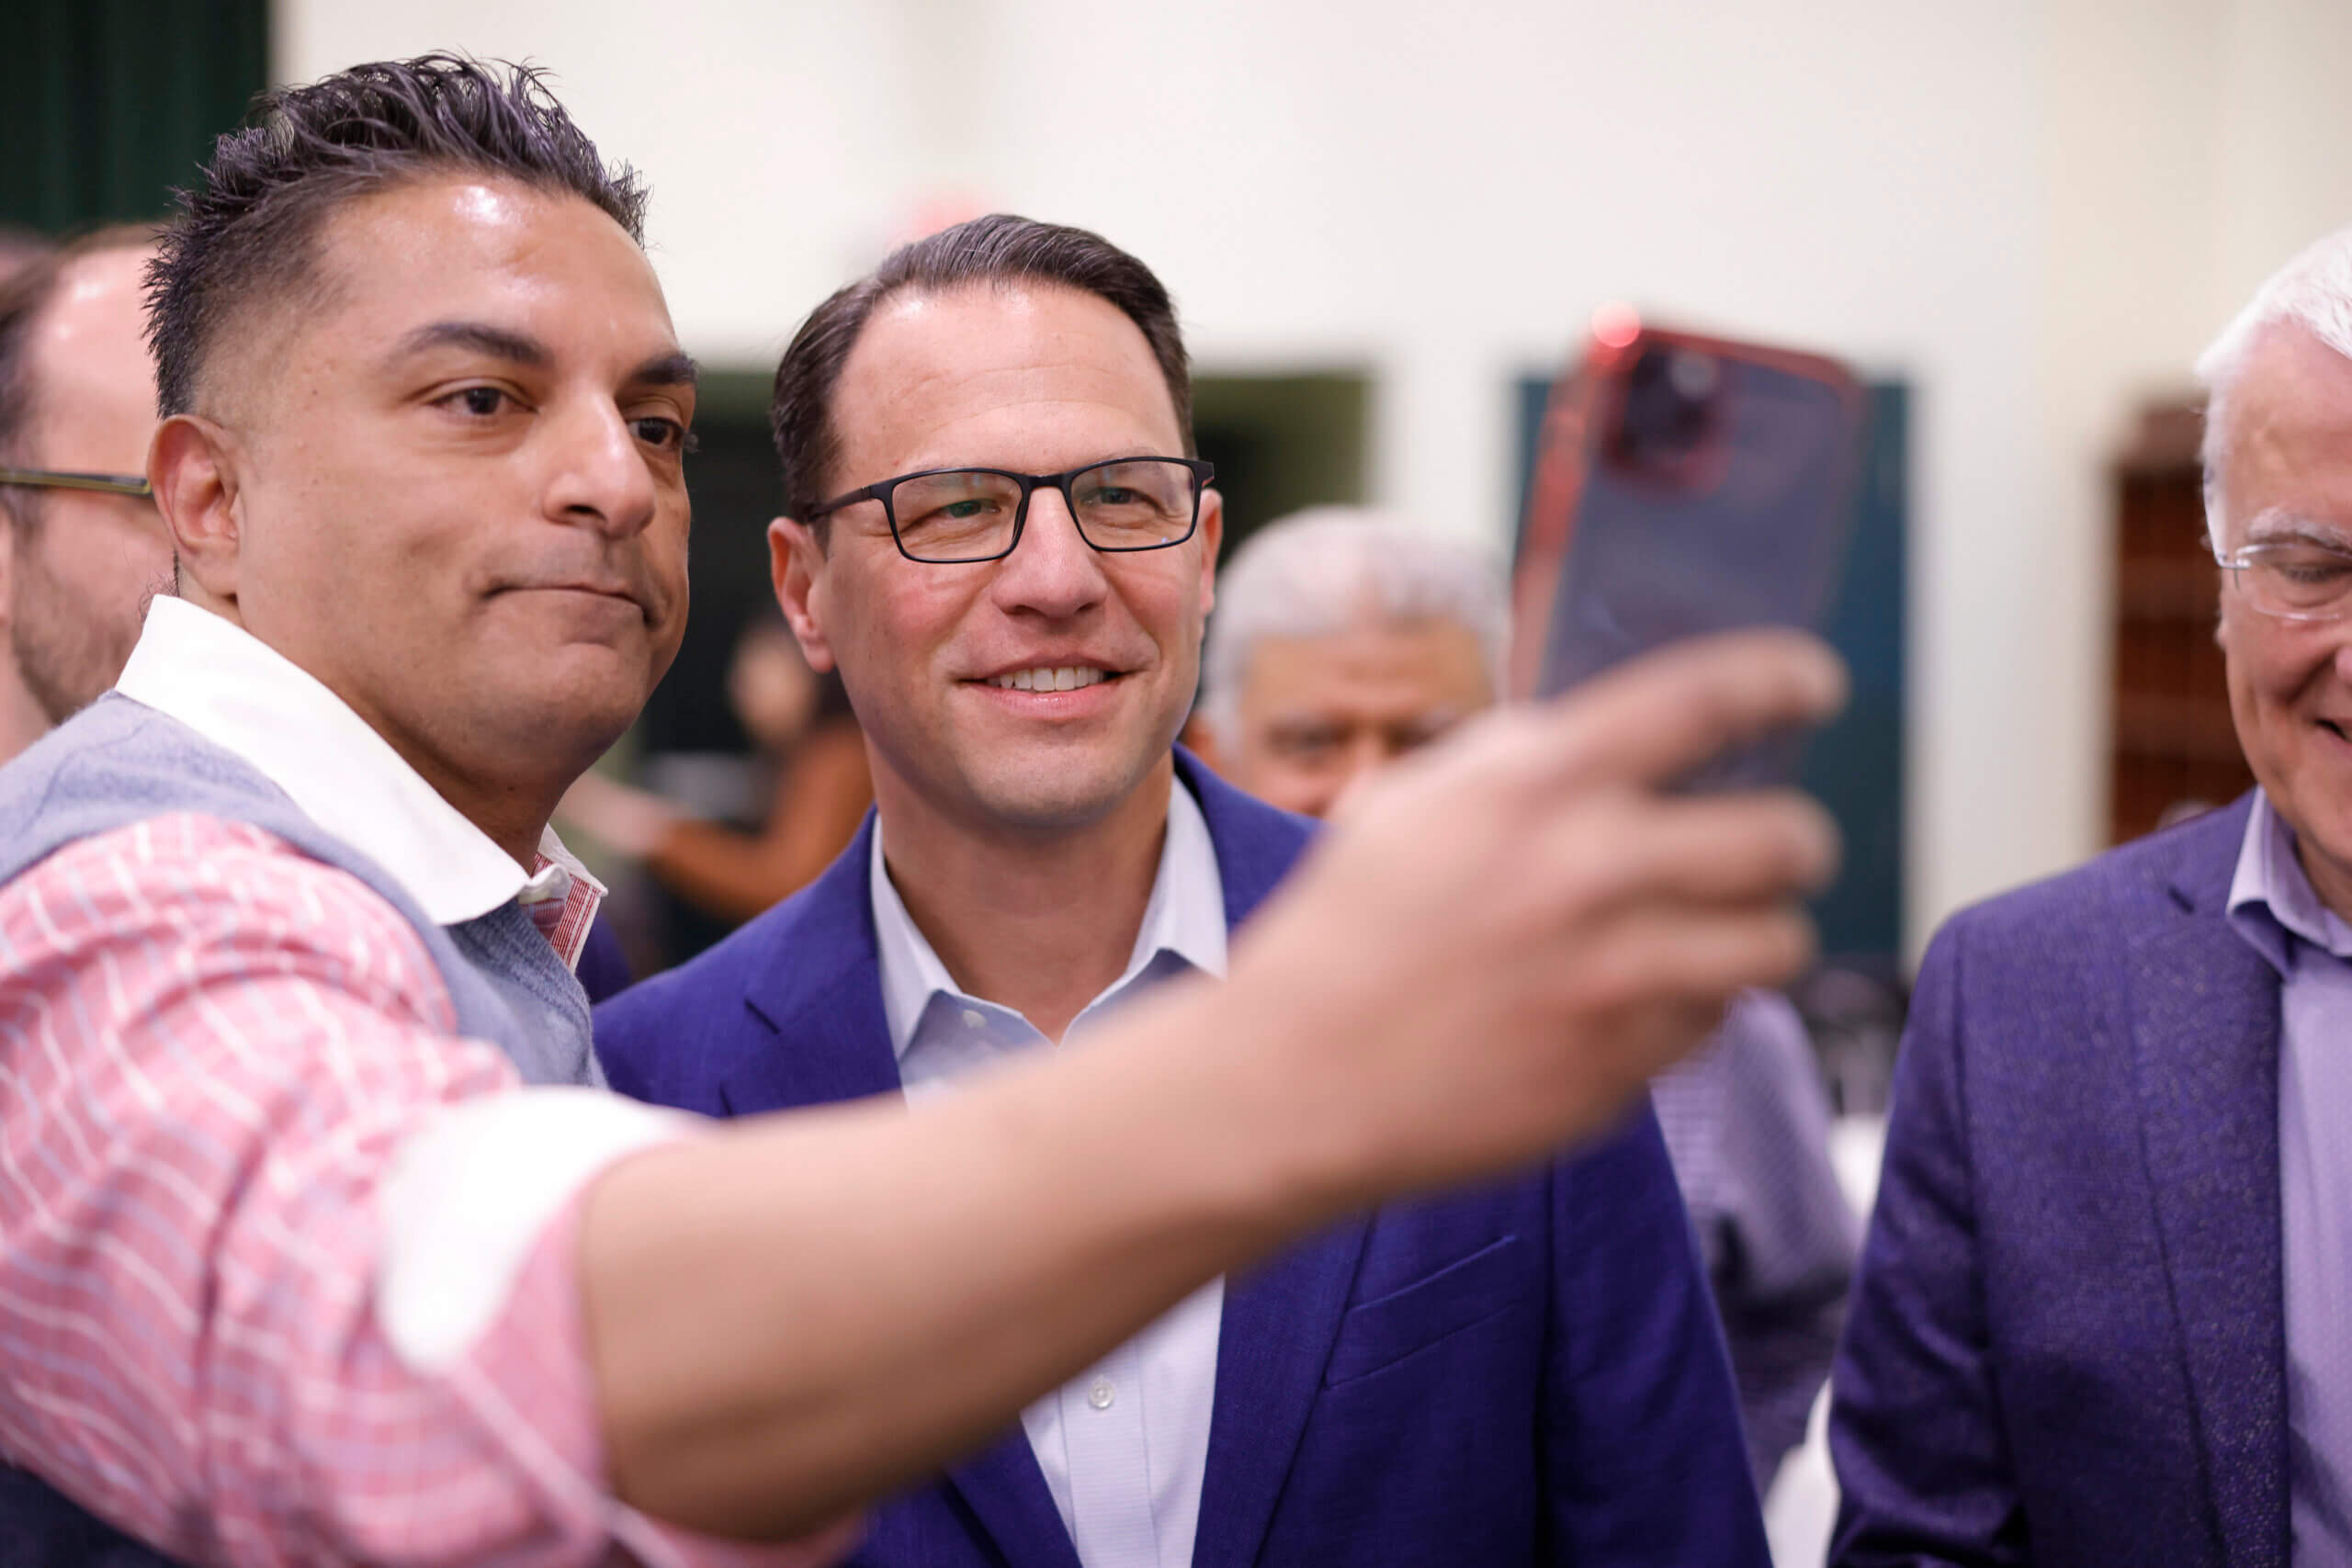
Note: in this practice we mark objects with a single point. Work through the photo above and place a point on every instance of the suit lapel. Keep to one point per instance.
(2205, 1018)
(818, 985)
(1280, 1322)
(1256, 845)
(1007, 1497)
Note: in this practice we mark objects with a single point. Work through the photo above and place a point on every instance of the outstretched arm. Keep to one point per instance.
(1487, 959)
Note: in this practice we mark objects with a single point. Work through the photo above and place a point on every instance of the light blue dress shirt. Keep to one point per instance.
(2273, 905)
(1124, 1444)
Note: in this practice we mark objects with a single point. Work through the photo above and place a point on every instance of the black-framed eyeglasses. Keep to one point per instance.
(947, 516)
(131, 485)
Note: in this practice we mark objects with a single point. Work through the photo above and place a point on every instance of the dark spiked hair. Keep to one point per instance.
(997, 249)
(247, 231)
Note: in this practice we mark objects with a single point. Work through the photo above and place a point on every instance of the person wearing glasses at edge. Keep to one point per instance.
(2104, 1307)
(998, 534)
(82, 548)
(318, 1242)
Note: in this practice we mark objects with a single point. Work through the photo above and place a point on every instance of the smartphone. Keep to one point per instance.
(1683, 484)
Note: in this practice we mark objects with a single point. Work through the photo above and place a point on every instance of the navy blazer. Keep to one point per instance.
(2067, 1345)
(1528, 1372)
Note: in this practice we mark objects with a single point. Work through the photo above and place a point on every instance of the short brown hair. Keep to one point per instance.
(998, 249)
(23, 298)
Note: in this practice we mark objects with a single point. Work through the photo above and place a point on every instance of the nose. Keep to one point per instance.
(598, 473)
(1053, 572)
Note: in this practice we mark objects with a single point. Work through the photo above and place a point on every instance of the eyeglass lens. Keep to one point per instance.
(2299, 579)
(969, 514)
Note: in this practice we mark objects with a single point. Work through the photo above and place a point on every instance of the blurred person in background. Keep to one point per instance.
(19, 248)
(82, 548)
(315, 1245)
(808, 739)
(1345, 639)
(2104, 1306)
(998, 536)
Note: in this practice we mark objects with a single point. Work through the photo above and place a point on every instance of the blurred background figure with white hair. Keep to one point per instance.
(1345, 638)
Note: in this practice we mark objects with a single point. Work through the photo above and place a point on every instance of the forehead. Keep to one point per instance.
(1392, 665)
(1011, 375)
(2287, 439)
(469, 248)
(89, 350)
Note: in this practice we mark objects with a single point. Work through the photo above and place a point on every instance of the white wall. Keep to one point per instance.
(2035, 211)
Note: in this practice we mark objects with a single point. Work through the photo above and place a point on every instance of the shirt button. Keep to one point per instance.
(1101, 1394)
(973, 1018)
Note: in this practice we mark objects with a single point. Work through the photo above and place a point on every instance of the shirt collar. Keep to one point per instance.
(247, 698)
(2270, 897)
(1185, 918)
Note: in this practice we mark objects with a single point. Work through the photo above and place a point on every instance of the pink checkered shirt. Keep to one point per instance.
(213, 1049)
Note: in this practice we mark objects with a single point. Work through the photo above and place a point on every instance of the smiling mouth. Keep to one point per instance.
(1052, 678)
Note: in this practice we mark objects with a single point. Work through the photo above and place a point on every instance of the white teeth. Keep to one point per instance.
(1061, 678)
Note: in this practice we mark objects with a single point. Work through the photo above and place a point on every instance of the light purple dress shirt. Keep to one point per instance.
(1124, 1445)
(2272, 905)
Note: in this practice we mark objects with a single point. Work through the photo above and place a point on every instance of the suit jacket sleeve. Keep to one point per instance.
(1642, 1458)
(1923, 1463)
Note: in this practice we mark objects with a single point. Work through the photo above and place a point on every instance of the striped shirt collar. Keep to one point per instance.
(247, 698)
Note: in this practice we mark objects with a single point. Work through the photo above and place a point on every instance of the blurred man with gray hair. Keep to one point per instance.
(1346, 637)
(2102, 1313)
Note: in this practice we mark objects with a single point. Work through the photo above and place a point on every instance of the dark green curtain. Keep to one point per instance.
(106, 105)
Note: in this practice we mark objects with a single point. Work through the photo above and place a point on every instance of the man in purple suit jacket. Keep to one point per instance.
(2104, 1311)
(1527, 1372)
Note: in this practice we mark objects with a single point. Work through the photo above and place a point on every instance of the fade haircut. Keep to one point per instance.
(1000, 250)
(247, 231)
(25, 297)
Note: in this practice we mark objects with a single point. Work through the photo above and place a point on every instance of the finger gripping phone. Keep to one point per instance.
(1683, 485)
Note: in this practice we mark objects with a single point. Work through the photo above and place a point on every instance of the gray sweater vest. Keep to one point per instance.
(116, 763)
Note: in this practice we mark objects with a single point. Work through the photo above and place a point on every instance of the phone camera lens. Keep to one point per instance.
(1694, 375)
(1669, 401)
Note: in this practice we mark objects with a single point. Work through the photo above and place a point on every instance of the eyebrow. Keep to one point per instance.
(496, 342)
(670, 369)
(2277, 525)
(667, 370)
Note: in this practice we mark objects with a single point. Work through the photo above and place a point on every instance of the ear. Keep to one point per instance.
(192, 465)
(797, 566)
(1212, 540)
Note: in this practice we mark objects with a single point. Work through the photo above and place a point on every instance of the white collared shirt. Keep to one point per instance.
(472, 1190)
(1123, 1445)
(246, 697)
